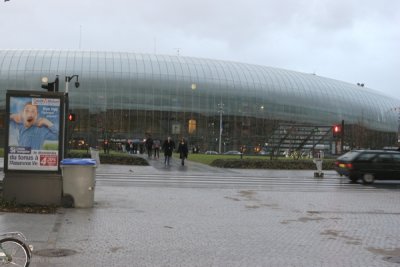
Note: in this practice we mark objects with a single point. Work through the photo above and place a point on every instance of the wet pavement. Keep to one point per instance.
(196, 215)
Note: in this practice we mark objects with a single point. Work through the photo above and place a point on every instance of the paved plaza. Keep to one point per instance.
(202, 216)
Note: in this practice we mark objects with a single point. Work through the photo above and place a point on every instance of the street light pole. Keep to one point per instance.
(398, 127)
(194, 87)
(67, 81)
(397, 109)
(221, 110)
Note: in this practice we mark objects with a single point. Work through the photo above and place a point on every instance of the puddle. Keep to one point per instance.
(56, 252)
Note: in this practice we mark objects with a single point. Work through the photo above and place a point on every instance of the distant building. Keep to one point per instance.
(124, 96)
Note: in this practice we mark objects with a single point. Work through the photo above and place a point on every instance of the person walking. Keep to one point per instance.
(106, 146)
(183, 150)
(168, 147)
(149, 146)
(156, 148)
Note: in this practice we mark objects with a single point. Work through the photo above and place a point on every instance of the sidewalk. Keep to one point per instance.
(164, 226)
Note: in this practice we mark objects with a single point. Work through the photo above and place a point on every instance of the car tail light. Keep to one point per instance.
(349, 166)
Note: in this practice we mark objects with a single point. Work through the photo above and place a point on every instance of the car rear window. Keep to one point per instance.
(349, 155)
(366, 156)
(385, 158)
(396, 158)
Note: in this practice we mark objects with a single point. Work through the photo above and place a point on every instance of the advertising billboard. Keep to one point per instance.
(34, 131)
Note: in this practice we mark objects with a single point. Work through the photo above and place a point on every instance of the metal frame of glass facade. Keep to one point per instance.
(128, 95)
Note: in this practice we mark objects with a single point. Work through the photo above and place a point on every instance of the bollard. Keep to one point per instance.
(94, 154)
(318, 162)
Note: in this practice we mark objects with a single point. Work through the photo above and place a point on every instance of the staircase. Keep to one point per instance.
(300, 137)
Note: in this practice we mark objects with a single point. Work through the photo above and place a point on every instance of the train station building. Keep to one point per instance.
(125, 97)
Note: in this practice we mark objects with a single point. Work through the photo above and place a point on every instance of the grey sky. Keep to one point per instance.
(349, 40)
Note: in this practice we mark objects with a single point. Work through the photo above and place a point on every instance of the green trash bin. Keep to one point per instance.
(78, 176)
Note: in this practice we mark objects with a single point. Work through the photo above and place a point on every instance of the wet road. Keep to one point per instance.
(195, 175)
(197, 215)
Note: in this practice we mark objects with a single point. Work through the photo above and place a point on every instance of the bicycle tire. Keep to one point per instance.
(18, 250)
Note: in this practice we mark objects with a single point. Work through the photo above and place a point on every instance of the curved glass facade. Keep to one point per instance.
(129, 95)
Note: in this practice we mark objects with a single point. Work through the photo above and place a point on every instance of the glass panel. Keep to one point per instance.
(130, 94)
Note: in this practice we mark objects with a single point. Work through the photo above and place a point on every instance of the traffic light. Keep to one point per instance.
(336, 130)
(71, 117)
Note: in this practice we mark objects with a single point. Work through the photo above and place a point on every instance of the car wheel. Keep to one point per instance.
(368, 178)
(353, 178)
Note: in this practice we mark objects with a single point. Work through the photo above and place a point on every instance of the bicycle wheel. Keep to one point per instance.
(17, 252)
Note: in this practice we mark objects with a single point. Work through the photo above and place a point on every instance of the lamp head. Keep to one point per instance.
(45, 80)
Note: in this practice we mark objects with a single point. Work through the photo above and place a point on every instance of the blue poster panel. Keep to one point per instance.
(34, 133)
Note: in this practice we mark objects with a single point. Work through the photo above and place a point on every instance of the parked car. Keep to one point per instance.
(232, 152)
(369, 165)
(210, 152)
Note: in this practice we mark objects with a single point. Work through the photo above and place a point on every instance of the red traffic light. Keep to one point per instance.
(336, 130)
(71, 117)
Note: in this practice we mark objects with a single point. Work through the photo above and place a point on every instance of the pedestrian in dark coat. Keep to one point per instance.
(183, 151)
(149, 146)
(168, 146)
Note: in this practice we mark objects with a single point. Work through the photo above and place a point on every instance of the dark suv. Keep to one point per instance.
(369, 165)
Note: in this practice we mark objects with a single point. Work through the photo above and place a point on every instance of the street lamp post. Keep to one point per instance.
(397, 110)
(220, 110)
(398, 127)
(51, 87)
(192, 121)
(194, 87)
(68, 80)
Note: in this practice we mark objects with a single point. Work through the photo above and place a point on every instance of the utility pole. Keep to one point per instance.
(220, 110)
(342, 137)
(66, 110)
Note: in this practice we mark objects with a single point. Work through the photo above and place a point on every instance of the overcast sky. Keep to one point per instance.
(357, 41)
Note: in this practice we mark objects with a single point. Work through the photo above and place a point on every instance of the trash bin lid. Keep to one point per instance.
(78, 161)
